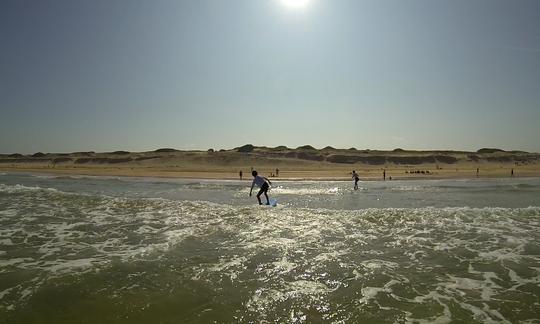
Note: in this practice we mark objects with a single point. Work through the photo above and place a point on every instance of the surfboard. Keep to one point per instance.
(273, 202)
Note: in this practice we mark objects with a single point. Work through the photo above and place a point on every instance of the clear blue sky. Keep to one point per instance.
(139, 75)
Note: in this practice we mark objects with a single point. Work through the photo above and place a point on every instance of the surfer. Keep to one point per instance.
(262, 183)
(356, 179)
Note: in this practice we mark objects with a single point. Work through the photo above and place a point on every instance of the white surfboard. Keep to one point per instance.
(273, 202)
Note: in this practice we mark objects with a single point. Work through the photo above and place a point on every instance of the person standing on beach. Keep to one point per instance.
(384, 175)
(356, 179)
(262, 183)
(277, 172)
(240, 174)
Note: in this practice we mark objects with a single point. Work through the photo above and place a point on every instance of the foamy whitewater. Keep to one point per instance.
(123, 250)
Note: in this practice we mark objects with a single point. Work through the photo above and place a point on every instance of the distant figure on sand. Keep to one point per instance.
(240, 174)
(277, 172)
(477, 172)
(356, 179)
(384, 175)
(262, 183)
(512, 173)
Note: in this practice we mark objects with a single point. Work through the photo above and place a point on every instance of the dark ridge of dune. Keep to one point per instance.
(290, 155)
(307, 148)
(527, 158)
(345, 159)
(245, 148)
(379, 160)
(124, 160)
(504, 158)
(25, 160)
(88, 153)
(490, 150)
(16, 155)
(310, 156)
(144, 158)
(166, 150)
(473, 157)
(91, 160)
(411, 159)
(443, 152)
(373, 160)
(102, 160)
(328, 148)
(61, 160)
(39, 154)
(120, 153)
(281, 148)
(446, 159)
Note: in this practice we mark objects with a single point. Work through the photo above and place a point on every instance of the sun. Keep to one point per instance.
(295, 4)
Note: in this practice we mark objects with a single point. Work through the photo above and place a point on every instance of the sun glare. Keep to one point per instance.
(295, 4)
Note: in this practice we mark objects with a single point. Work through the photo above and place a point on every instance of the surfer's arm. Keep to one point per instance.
(251, 190)
(269, 182)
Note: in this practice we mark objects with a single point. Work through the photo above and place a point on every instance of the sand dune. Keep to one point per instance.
(303, 162)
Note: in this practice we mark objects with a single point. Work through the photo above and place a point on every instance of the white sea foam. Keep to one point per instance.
(298, 258)
(22, 188)
(280, 190)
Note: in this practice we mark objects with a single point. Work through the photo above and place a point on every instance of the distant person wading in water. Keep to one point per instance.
(262, 183)
(356, 179)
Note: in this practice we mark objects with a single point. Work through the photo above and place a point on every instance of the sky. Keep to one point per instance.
(138, 75)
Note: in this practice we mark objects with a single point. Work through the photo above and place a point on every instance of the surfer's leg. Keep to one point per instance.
(259, 195)
(265, 190)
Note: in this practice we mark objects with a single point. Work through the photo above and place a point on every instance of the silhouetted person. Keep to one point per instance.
(477, 172)
(262, 183)
(356, 179)
(512, 172)
(277, 172)
(240, 174)
(384, 175)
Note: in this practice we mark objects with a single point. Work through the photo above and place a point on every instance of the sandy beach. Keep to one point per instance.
(303, 163)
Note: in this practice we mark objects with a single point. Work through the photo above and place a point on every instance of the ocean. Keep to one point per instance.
(146, 250)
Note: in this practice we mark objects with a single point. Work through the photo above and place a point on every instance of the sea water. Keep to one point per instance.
(143, 250)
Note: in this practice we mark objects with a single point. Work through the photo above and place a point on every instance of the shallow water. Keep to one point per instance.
(124, 250)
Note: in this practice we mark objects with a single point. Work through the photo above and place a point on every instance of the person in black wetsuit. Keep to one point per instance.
(356, 179)
(262, 183)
